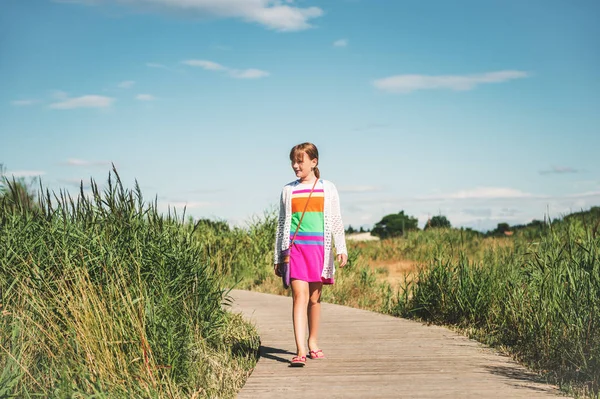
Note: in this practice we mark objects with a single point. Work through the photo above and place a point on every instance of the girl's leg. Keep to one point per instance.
(300, 299)
(314, 314)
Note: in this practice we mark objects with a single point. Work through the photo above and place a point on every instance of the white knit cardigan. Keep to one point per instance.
(334, 227)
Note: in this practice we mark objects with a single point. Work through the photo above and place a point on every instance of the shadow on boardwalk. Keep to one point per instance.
(517, 376)
(370, 355)
(266, 352)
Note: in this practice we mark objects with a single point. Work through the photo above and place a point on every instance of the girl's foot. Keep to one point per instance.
(298, 361)
(316, 354)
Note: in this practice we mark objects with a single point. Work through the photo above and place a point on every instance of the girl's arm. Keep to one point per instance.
(279, 232)
(337, 225)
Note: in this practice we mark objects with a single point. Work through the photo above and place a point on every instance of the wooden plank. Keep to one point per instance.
(370, 355)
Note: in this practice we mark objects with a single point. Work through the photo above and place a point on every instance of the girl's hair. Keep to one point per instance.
(309, 149)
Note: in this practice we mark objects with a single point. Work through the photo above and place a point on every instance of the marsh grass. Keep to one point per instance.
(102, 296)
(535, 295)
(424, 246)
(540, 300)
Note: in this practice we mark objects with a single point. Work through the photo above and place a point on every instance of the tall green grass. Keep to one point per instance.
(540, 300)
(242, 255)
(424, 246)
(102, 296)
(536, 294)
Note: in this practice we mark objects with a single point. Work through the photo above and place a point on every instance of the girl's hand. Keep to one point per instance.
(277, 270)
(342, 259)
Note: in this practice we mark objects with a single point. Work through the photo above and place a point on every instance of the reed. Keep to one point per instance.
(103, 296)
(535, 295)
(539, 300)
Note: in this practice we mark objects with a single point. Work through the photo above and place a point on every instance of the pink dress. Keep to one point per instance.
(307, 254)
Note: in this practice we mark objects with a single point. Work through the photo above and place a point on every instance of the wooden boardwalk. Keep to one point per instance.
(370, 355)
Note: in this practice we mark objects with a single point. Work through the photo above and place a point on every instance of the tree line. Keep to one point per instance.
(397, 224)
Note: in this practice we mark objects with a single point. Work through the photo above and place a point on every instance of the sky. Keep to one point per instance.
(482, 111)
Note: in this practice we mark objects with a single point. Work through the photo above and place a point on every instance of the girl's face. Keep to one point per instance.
(304, 167)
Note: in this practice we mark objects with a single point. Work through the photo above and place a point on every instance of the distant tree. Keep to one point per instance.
(500, 229)
(17, 193)
(394, 225)
(362, 230)
(438, 221)
(536, 223)
(350, 230)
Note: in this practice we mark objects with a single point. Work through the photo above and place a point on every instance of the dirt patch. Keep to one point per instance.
(395, 270)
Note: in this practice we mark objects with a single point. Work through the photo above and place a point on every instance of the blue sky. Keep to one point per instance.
(483, 111)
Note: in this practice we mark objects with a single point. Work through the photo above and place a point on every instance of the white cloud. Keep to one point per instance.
(340, 43)
(281, 17)
(82, 162)
(248, 73)
(145, 97)
(232, 72)
(127, 84)
(208, 65)
(23, 103)
(24, 173)
(88, 101)
(272, 14)
(155, 65)
(409, 83)
(481, 193)
(558, 170)
(585, 195)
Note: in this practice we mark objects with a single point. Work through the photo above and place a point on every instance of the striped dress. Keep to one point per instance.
(306, 256)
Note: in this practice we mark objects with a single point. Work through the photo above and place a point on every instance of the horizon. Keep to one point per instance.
(37, 181)
(483, 113)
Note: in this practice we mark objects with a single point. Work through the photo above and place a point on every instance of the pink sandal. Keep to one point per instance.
(318, 354)
(298, 361)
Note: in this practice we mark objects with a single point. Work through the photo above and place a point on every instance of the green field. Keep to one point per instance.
(104, 297)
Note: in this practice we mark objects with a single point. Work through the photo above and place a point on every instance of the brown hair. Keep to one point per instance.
(309, 149)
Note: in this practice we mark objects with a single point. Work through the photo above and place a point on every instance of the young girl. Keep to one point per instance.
(311, 256)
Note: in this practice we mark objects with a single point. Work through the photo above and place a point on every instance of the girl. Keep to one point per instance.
(311, 255)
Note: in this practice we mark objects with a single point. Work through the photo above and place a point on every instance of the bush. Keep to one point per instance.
(394, 225)
(438, 222)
